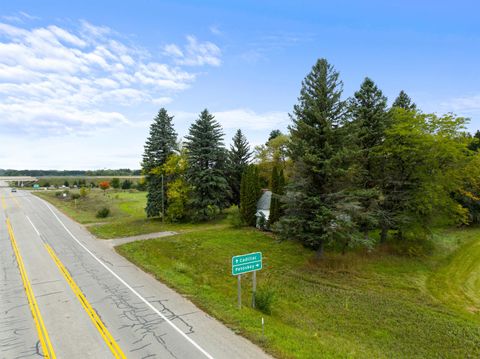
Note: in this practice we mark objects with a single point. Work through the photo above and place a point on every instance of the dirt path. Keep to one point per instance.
(118, 241)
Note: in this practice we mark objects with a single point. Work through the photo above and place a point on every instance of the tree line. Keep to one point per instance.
(350, 172)
(65, 173)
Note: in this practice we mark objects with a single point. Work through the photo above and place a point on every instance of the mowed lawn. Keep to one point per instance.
(359, 305)
(127, 217)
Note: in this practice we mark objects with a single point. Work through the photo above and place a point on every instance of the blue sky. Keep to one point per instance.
(81, 81)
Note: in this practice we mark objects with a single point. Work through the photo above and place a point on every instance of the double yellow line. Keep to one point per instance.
(107, 337)
(45, 342)
(47, 348)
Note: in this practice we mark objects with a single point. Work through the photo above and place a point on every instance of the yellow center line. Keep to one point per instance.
(47, 348)
(4, 205)
(107, 337)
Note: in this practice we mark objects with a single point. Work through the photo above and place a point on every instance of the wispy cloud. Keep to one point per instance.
(214, 29)
(265, 44)
(242, 118)
(195, 53)
(19, 17)
(55, 80)
(465, 106)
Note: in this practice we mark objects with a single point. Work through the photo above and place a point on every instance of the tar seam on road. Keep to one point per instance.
(190, 340)
(47, 348)
(102, 329)
(107, 337)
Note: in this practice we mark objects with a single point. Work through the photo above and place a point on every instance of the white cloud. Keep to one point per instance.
(214, 29)
(467, 105)
(55, 80)
(244, 119)
(173, 50)
(195, 53)
(251, 120)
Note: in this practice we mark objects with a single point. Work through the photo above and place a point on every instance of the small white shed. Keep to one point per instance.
(263, 208)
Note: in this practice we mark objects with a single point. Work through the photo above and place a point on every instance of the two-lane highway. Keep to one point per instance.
(65, 294)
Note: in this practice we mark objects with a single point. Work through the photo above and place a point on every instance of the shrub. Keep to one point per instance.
(127, 184)
(83, 192)
(115, 182)
(103, 212)
(75, 195)
(264, 300)
(58, 194)
(234, 217)
(104, 185)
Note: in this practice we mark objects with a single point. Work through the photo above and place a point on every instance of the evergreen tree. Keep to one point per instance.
(160, 144)
(370, 119)
(404, 101)
(206, 167)
(316, 148)
(238, 159)
(277, 188)
(249, 194)
(274, 134)
(474, 145)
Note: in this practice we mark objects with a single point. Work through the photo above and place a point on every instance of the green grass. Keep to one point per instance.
(359, 305)
(127, 216)
(60, 180)
(457, 280)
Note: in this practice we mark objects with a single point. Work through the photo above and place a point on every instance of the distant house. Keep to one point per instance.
(263, 208)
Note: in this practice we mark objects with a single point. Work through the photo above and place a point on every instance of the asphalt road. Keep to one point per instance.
(65, 294)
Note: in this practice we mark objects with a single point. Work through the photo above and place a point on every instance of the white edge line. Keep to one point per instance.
(35, 228)
(203, 351)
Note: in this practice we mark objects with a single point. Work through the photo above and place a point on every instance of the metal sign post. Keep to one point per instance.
(239, 294)
(254, 287)
(246, 263)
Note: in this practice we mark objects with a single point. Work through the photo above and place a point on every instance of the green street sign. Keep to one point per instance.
(246, 263)
(36, 185)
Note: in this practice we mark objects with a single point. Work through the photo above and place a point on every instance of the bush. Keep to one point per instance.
(127, 184)
(264, 300)
(83, 192)
(234, 217)
(141, 185)
(75, 195)
(103, 212)
(115, 182)
(58, 194)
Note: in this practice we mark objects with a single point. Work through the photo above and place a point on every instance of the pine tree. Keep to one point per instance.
(249, 194)
(404, 101)
(274, 134)
(474, 145)
(316, 148)
(238, 159)
(206, 167)
(160, 144)
(370, 119)
(277, 188)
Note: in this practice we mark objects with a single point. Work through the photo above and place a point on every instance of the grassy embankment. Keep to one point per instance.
(359, 305)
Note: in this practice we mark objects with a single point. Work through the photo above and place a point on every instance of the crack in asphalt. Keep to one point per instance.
(140, 319)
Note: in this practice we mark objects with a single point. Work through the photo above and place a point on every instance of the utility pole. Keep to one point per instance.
(163, 202)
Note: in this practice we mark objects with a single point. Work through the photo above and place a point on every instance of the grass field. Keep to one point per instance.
(360, 305)
(60, 180)
(127, 216)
